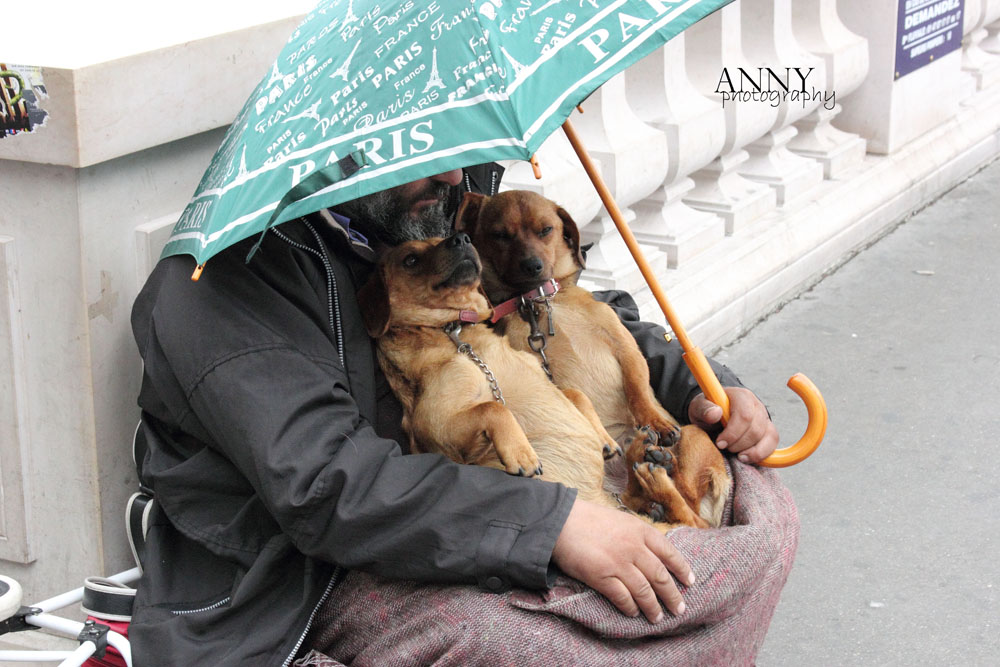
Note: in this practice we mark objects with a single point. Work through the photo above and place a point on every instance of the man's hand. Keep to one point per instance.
(623, 558)
(749, 433)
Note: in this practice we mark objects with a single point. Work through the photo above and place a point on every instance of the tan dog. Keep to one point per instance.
(422, 305)
(525, 240)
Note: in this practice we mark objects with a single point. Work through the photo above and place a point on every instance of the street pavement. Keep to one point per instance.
(898, 559)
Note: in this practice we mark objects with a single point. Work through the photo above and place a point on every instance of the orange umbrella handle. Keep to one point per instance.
(799, 383)
(807, 444)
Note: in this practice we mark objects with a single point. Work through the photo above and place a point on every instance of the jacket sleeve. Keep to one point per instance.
(672, 382)
(274, 443)
(345, 495)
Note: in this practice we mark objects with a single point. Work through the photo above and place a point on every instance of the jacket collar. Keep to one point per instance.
(355, 240)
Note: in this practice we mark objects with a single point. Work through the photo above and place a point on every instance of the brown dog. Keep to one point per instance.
(525, 240)
(466, 393)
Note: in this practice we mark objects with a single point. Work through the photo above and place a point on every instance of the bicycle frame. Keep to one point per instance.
(46, 620)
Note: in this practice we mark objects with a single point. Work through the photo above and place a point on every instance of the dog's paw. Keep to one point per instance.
(655, 480)
(647, 434)
(660, 456)
(524, 466)
(527, 472)
(654, 511)
(648, 447)
(610, 451)
(665, 434)
(518, 458)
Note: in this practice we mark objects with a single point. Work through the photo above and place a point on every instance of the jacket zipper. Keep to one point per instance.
(493, 182)
(333, 313)
(329, 588)
(332, 298)
(210, 607)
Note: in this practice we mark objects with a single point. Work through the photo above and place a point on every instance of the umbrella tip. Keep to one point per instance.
(197, 272)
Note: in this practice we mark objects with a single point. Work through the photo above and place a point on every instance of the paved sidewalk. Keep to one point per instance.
(899, 556)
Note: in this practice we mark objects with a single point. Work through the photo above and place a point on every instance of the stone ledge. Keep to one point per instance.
(106, 110)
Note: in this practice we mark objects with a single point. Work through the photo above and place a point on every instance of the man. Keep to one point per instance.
(274, 460)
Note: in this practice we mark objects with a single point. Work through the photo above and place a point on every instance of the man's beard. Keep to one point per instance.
(387, 215)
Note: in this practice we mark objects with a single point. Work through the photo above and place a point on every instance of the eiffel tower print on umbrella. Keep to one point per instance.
(434, 81)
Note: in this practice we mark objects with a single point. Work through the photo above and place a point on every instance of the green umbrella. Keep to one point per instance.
(368, 95)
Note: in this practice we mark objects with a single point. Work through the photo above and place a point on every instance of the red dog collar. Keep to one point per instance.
(543, 291)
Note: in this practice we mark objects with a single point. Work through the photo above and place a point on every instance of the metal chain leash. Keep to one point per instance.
(453, 329)
(530, 310)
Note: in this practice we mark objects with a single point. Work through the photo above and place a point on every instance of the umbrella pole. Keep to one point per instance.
(693, 356)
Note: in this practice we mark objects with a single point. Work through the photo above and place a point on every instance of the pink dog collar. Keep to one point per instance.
(543, 291)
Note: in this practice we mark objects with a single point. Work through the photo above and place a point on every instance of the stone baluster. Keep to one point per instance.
(845, 56)
(982, 66)
(633, 160)
(992, 42)
(712, 47)
(783, 66)
(658, 90)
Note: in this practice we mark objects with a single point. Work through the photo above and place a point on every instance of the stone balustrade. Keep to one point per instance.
(738, 204)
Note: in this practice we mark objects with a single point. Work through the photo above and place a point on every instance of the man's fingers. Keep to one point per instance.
(643, 593)
(704, 412)
(662, 584)
(669, 556)
(667, 560)
(619, 595)
(762, 449)
(738, 434)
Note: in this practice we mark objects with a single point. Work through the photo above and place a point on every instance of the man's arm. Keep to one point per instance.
(347, 496)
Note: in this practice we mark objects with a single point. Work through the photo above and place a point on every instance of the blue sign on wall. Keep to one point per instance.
(926, 30)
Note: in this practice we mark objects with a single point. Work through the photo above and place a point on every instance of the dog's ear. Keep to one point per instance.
(468, 212)
(571, 234)
(373, 298)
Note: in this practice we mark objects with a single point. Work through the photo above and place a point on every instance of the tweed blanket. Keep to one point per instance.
(740, 568)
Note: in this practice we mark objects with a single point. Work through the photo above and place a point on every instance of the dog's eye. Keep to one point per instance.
(545, 232)
(410, 260)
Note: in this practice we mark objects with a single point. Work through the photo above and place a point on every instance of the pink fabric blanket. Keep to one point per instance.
(741, 569)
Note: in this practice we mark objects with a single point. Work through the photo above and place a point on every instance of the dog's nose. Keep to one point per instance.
(456, 240)
(531, 266)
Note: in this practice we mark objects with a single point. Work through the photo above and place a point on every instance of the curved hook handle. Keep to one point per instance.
(799, 383)
(807, 444)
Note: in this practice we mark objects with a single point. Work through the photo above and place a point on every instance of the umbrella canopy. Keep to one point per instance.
(369, 95)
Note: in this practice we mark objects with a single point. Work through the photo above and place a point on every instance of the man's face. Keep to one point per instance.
(406, 212)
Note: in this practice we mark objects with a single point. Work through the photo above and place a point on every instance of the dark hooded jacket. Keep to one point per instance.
(274, 455)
